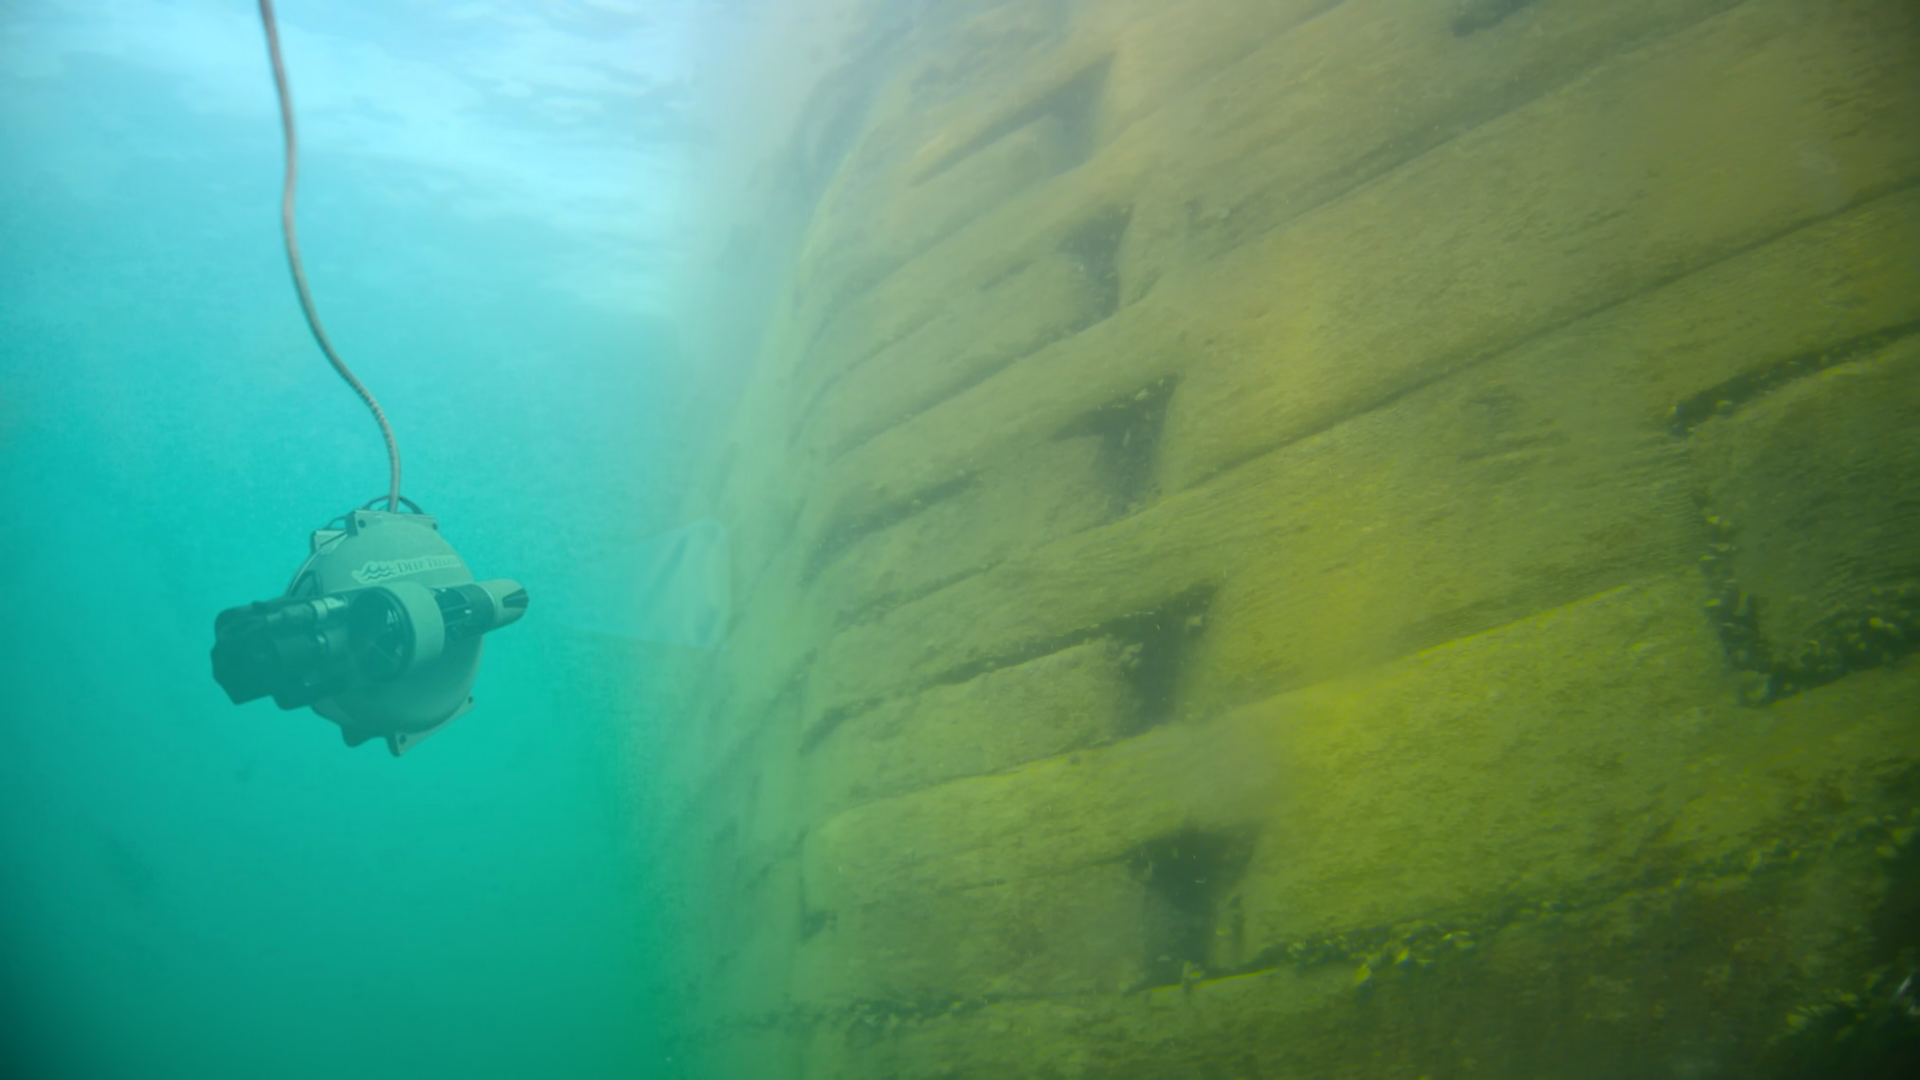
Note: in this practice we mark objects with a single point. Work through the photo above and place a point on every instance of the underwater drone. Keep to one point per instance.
(381, 627)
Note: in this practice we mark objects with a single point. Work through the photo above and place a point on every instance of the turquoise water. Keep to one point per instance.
(194, 889)
(1233, 538)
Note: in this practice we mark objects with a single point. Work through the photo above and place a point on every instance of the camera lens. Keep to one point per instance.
(278, 647)
(381, 635)
(393, 629)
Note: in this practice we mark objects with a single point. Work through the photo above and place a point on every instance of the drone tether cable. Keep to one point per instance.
(299, 273)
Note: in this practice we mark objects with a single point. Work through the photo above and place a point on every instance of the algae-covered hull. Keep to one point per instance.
(1308, 539)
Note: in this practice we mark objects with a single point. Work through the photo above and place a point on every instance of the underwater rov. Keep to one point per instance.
(380, 630)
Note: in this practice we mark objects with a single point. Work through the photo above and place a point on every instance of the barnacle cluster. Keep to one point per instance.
(1733, 610)
(1406, 947)
(1846, 1032)
(1874, 634)
(1885, 630)
(1889, 835)
(1725, 398)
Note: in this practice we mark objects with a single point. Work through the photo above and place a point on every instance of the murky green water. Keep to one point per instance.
(1106, 540)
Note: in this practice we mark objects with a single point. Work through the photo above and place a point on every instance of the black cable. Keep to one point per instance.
(299, 272)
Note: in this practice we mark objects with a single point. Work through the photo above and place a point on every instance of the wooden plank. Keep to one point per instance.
(1508, 489)
(1082, 931)
(1100, 805)
(1035, 821)
(1162, 334)
(1812, 487)
(1527, 761)
(1658, 164)
(1058, 490)
(1349, 97)
(1534, 762)
(1214, 124)
(976, 335)
(954, 135)
(1629, 980)
(1071, 700)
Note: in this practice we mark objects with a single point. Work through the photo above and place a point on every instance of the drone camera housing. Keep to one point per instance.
(379, 632)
